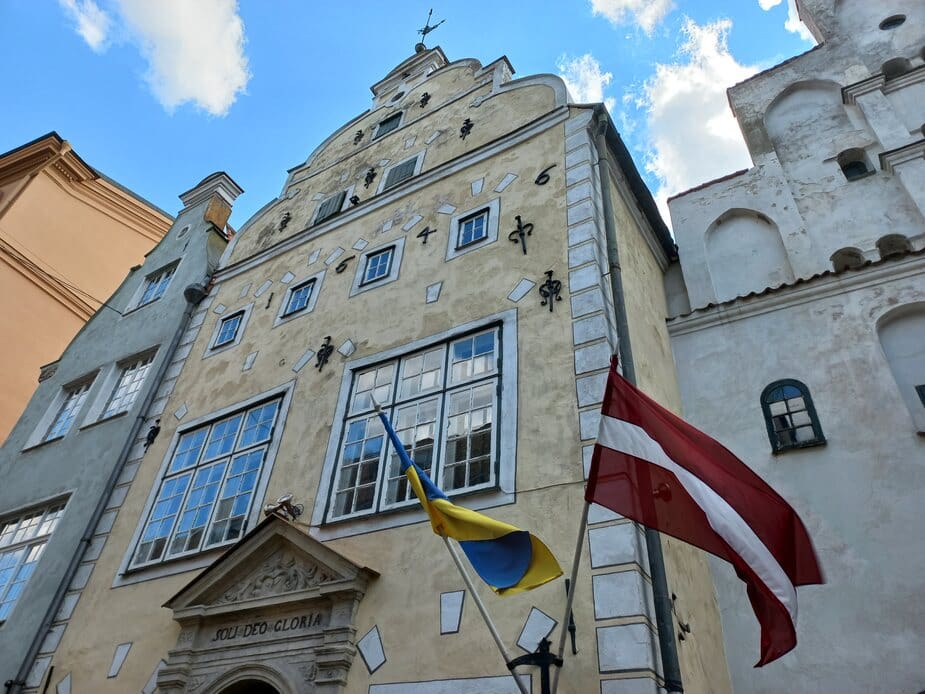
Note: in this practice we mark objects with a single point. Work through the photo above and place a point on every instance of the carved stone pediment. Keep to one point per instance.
(282, 572)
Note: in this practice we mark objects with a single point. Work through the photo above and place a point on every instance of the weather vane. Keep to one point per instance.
(427, 28)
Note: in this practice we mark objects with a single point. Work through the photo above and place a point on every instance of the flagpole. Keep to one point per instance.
(579, 545)
(484, 612)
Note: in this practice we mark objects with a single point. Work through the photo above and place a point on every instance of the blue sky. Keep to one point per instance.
(158, 94)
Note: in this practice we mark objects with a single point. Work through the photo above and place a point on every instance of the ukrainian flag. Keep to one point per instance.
(508, 559)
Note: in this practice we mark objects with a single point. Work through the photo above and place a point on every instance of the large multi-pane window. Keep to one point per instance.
(207, 491)
(22, 541)
(74, 399)
(126, 390)
(443, 403)
(156, 285)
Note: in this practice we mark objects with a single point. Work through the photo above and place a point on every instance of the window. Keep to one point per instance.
(207, 490)
(330, 207)
(892, 22)
(22, 541)
(156, 285)
(388, 125)
(299, 298)
(853, 163)
(443, 401)
(790, 416)
(126, 390)
(473, 229)
(228, 329)
(377, 265)
(399, 173)
(74, 398)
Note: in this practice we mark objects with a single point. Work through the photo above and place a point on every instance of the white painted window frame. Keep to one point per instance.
(211, 349)
(134, 303)
(109, 381)
(37, 437)
(358, 286)
(348, 193)
(318, 279)
(491, 235)
(418, 165)
(401, 122)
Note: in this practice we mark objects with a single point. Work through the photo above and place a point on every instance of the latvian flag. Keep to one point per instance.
(655, 468)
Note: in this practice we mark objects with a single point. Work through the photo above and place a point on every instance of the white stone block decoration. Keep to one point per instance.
(303, 360)
(313, 257)
(446, 208)
(587, 302)
(263, 288)
(82, 575)
(67, 606)
(504, 684)
(593, 357)
(581, 255)
(287, 278)
(590, 389)
(360, 244)
(433, 137)
(476, 186)
(37, 673)
(249, 361)
(521, 290)
(52, 639)
(370, 647)
(620, 594)
(118, 658)
(451, 608)
(181, 411)
(625, 647)
(384, 162)
(64, 686)
(219, 309)
(600, 514)
(588, 423)
(589, 329)
(433, 293)
(344, 176)
(407, 226)
(334, 255)
(508, 179)
(151, 684)
(318, 196)
(614, 544)
(347, 348)
(387, 224)
(245, 290)
(637, 685)
(538, 626)
(409, 143)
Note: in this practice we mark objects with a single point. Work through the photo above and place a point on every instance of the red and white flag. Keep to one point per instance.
(653, 467)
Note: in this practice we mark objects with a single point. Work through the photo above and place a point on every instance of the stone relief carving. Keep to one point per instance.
(281, 573)
(195, 683)
(308, 671)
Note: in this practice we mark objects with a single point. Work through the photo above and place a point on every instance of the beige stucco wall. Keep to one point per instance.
(77, 234)
(701, 655)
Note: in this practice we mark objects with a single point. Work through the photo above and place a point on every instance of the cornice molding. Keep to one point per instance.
(851, 93)
(64, 296)
(891, 159)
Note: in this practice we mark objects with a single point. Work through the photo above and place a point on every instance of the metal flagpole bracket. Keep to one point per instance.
(542, 659)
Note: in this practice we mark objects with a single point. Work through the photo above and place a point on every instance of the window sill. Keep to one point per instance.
(799, 446)
(140, 306)
(103, 420)
(169, 567)
(42, 443)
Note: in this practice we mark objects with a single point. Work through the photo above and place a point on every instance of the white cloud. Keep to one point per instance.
(195, 50)
(794, 23)
(645, 13)
(768, 4)
(692, 134)
(585, 80)
(92, 23)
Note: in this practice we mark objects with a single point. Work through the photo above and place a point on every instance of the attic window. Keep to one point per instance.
(853, 163)
(847, 259)
(388, 125)
(892, 22)
(397, 97)
(893, 245)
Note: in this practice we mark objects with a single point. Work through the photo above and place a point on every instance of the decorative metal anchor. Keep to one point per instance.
(543, 177)
(424, 233)
(342, 265)
(425, 98)
(324, 353)
(466, 128)
(521, 232)
(549, 290)
(284, 220)
(543, 659)
(358, 137)
(370, 177)
(354, 200)
(152, 433)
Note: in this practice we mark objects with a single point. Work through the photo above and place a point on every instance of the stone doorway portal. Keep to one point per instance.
(250, 687)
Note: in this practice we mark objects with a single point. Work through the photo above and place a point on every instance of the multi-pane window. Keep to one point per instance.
(228, 330)
(74, 398)
(22, 540)
(299, 297)
(330, 207)
(156, 285)
(443, 403)
(378, 265)
(207, 491)
(399, 173)
(126, 390)
(388, 125)
(790, 416)
(473, 229)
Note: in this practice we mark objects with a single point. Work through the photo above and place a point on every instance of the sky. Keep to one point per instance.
(157, 94)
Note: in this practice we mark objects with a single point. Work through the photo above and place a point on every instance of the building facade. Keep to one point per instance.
(69, 459)
(798, 330)
(448, 253)
(68, 235)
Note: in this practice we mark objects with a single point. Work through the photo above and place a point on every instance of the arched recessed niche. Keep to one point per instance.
(902, 337)
(895, 67)
(847, 259)
(893, 245)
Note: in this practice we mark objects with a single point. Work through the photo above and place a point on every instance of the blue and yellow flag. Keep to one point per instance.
(508, 559)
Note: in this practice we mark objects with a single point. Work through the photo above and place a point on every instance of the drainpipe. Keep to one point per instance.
(671, 667)
(16, 686)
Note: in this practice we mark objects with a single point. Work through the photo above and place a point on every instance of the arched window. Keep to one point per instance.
(893, 245)
(847, 259)
(790, 416)
(853, 163)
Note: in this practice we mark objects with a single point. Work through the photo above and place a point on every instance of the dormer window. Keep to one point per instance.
(388, 125)
(330, 207)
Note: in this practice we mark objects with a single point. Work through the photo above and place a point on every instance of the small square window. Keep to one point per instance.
(388, 125)
(330, 207)
(126, 390)
(472, 229)
(74, 398)
(155, 285)
(299, 297)
(378, 265)
(228, 330)
(400, 172)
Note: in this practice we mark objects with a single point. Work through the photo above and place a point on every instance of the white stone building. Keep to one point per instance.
(798, 329)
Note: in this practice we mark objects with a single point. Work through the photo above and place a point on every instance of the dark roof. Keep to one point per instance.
(798, 282)
(709, 183)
